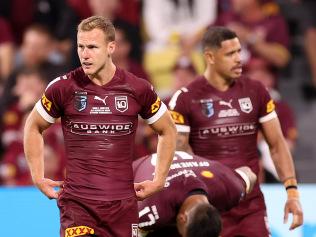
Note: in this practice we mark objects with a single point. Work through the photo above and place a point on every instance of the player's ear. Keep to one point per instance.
(209, 56)
(182, 218)
(111, 47)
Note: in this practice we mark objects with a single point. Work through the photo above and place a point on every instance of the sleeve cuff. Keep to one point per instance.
(268, 117)
(43, 113)
(160, 112)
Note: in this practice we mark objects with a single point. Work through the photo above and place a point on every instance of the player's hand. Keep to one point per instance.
(146, 189)
(293, 206)
(47, 186)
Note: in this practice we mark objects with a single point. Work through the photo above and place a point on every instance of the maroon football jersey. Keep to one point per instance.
(223, 186)
(223, 125)
(99, 124)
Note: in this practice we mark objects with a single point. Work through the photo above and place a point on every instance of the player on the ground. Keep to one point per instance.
(196, 190)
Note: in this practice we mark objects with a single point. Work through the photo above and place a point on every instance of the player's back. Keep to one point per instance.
(222, 185)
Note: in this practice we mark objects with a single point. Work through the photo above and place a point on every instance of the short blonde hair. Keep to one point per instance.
(98, 22)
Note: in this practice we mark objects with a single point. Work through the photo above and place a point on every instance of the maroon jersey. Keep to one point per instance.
(223, 186)
(99, 124)
(223, 125)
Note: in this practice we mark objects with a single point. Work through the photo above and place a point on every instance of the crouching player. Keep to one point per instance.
(196, 191)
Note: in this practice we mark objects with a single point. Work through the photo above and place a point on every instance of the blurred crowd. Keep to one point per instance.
(158, 40)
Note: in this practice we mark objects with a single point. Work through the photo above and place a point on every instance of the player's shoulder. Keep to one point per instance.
(132, 80)
(248, 83)
(197, 84)
(63, 81)
(190, 90)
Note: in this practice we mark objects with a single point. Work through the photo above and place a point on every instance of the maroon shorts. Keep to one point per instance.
(248, 219)
(86, 217)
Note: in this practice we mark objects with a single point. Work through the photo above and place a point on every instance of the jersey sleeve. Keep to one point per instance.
(152, 106)
(50, 105)
(266, 105)
(179, 110)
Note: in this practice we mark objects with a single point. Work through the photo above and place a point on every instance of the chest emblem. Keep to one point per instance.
(245, 105)
(80, 101)
(207, 107)
(121, 103)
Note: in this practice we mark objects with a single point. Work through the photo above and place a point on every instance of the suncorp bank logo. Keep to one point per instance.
(111, 129)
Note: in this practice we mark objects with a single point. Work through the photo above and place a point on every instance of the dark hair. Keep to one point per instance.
(206, 221)
(214, 36)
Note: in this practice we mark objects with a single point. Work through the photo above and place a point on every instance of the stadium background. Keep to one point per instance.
(26, 212)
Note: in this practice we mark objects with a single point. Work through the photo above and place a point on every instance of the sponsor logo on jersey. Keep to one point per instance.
(155, 106)
(245, 105)
(207, 174)
(46, 103)
(110, 129)
(121, 103)
(228, 130)
(270, 106)
(185, 173)
(177, 117)
(231, 112)
(81, 100)
(100, 109)
(100, 99)
(188, 164)
(207, 107)
(228, 113)
(78, 231)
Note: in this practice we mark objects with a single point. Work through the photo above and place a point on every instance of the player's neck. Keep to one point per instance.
(104, 75)
(216, 80)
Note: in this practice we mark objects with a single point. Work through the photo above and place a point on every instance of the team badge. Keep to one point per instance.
(81, 100)
(121, 103)
(207, 107)
(245, 105)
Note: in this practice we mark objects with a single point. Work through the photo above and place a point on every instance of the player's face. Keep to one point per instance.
(94, 51)
(227, 60)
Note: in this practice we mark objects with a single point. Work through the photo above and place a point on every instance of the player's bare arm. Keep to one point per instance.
(182, 143)
(165, 151)
(34, 153)
(283, 162)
